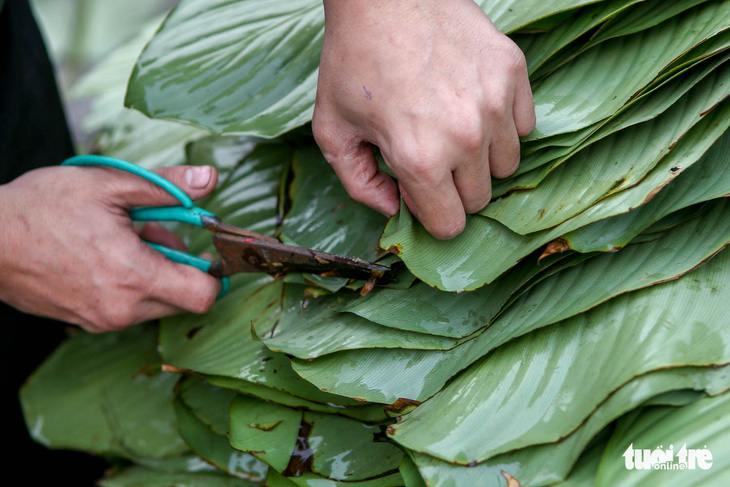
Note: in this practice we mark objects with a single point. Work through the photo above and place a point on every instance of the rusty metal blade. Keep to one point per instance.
(244, 251)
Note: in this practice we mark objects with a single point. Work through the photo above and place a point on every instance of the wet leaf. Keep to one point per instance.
(344, 449)
(424, 309)
(104, 394)
(704, 181)
(245, 67)
(667, 325)
(368, 413)
(214, 447)
(422, 373)
(546, 464)
(310, 327)
(609, 166)
(609, 73)
(222, 343)
(409, 471)
(146, 477)
(121, 132)
(641, 17)
(209, 404)
(702, 425)
(323, 216)
(247, 193)
(539, 48)
(460, 264)
(272, 445)
(537, 165)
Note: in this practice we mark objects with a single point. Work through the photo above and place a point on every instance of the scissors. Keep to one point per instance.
(239, 250)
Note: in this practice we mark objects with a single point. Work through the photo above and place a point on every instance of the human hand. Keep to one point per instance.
(69, 251)
(437, 88)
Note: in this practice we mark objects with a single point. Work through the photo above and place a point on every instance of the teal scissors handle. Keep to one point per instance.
(186, 213)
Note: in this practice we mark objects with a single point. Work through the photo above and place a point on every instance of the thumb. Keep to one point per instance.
(195, 181)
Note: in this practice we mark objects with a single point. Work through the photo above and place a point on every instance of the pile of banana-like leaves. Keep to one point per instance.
(582, 318)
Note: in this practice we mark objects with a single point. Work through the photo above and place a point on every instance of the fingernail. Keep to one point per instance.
(198, 177)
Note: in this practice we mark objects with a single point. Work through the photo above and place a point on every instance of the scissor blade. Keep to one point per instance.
(245, 253)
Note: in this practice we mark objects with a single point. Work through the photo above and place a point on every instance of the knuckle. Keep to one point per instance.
(115, 317)
(421, 162)
(495, 108)
(516, 60)
(471, 139)
(425, 170)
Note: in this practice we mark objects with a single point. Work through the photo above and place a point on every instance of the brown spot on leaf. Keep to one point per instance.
(171, 369)
(402, 406)
(395, 249)
(145, 370)
(557, 246)
(511, 481)
(338, 207)
(369, 285)
(193, 331)
(265, 426)
(616, 184)
(301, 458)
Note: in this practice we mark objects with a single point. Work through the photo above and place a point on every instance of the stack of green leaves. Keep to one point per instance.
(582, 311)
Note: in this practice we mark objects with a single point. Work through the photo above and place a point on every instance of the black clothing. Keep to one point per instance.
(33, 134)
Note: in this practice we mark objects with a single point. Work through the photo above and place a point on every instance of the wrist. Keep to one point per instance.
(359, 11)
(9, 222)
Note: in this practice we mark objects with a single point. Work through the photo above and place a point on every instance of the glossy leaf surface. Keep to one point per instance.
(675, 323)
(251, 67)
(223, 344)
(323, 216)
(459, 264)
(546, 464)
(703, 181)
(616, 70)
(608, 166)
(310, 327)
(266, 430)
(704, 424)
(244, 67)
(101, 393)
(214, 447)
(146, 477)
(422, 374)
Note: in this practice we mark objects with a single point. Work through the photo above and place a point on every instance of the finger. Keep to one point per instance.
(152, 309)
(156, 233)
(132, 191)
(435, 202)
(524, 106)
(474, 184)
(183, 286)
(504, 150)
(356, 167)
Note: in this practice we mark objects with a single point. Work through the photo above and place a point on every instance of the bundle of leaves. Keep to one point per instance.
(583, 310)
